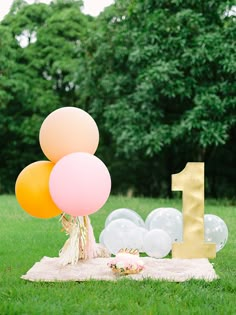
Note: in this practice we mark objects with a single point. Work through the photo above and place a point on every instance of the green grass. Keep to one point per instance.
(25, 240)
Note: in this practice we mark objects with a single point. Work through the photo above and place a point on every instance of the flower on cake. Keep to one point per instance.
(127, 261)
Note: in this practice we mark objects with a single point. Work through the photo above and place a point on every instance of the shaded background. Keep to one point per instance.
(158, 77)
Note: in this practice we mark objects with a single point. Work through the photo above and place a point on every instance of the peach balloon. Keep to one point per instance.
(32, 190)
(68, 130)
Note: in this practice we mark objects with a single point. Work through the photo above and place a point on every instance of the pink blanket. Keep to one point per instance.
(176, 270)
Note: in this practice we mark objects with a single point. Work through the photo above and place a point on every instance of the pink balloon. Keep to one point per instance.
(80, 184)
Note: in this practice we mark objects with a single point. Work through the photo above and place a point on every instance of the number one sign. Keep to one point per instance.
(191, 182)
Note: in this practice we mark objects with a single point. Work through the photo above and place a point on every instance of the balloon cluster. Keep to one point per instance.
(124, 228)
(73, 181)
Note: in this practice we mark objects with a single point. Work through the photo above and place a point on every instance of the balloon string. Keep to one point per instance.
(81, 243)
(83, 237)
(67, 224)
(80, 224)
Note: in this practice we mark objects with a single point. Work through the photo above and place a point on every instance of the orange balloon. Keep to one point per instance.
(68, 130)
(32, 190)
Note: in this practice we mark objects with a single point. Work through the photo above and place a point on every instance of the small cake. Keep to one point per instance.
(127, 261)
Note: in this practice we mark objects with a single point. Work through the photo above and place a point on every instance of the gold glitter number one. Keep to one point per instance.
(191, 182)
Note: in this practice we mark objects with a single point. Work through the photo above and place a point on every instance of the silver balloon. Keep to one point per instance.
(169, 220)
(157, 243)
(117, 233)
(215, 231)
(124, 213)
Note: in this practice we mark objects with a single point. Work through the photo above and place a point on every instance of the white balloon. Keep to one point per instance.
(143, 233)
(215, 231)
(169, 220)
(150, 216)
(157, 243)
(116, 234)
(124, 213)
(101, 237)
(135, 238)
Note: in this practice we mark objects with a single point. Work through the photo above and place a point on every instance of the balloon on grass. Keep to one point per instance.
(68, 130)
(169, 220)
(143, 232)
(215, 231)
(157, 243)
(32, 190)
(150, 216)
(101, 237)
(80, 184)
(116, 234)
(135, 238)
(124, 213)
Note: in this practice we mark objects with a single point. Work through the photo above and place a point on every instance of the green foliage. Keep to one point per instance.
(177, 71)
(157, 76)
(37, 77)
(165, 84)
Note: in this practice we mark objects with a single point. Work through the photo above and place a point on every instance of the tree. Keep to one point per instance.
(157, 76)
(37, 77)
(164, 83)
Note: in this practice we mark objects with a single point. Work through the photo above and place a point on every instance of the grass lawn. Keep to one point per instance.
(24, 240)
